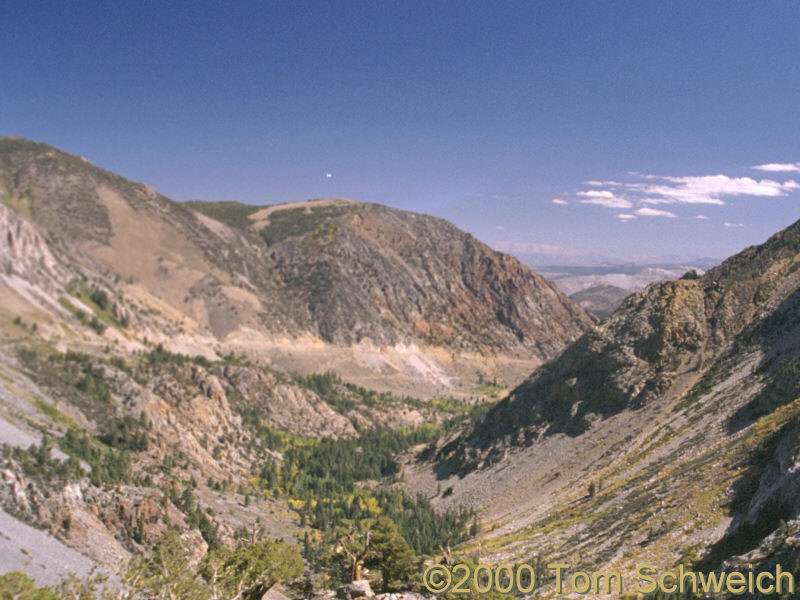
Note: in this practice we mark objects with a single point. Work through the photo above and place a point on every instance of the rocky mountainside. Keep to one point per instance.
(669, 330)
(136, 426)
(666, 434)
(161, 370)
(307, 276)
(190, 367)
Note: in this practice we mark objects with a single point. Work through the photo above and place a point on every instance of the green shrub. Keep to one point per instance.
(108, 465)
(18, 586)
(99, 297)
(284, 224)
(234, 214)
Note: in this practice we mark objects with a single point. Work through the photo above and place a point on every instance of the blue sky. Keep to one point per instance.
(640, 118)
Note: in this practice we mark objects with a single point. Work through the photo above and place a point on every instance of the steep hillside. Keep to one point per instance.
(189, 368)
(105, 454)
(370, 271)
(670, 330)
(386, 290)
(667, 433)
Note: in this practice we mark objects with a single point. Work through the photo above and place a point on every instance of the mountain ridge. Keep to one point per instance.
(344, 273)
(667, 434)
(600, 300)
(720, 304)
(150, 339)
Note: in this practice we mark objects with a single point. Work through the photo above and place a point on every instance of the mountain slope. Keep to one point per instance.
(327, 273)
(667, 433)
(656, 338)
(365, 270)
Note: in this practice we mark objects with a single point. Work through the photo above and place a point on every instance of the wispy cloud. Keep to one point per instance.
(596, 183)
(493, 196)
(779, 167)
(559, 201)
(653, 212)
(523, 248)
(604, 198)
(727, 224)
(651, 190)
(625, 217)
(702, 217)
(707, 189)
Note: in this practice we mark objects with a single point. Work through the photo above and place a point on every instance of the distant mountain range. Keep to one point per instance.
(600, 289)
(628, 276)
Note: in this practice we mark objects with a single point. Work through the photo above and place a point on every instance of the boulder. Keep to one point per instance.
(354, 590)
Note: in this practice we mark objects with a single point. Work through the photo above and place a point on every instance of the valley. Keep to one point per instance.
(227, 384)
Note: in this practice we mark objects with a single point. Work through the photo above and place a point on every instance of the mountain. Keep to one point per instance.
(364, 289)
(361, 288)
(600, 300)
(190, 378)
(368, 271)
(668, 433)
(672, 330)
(234, 374)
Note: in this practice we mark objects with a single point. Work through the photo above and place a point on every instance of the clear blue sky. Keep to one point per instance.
(479, 112)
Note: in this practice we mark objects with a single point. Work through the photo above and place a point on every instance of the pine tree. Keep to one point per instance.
(391, 553)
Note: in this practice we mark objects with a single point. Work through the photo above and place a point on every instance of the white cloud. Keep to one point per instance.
(705, 189)
(653, 212)
(702, 217)
(733, 224)
(499, 228)
(604, 198)
(597, 194)
(559, 201)
(779, 167)
(596, 183)
(708, 189)
(641, 193)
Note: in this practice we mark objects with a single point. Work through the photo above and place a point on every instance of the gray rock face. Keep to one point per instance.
(287, 407)
(27, 263)
(355, 590)
(401, 596)
(37, 553)
(22, 248)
